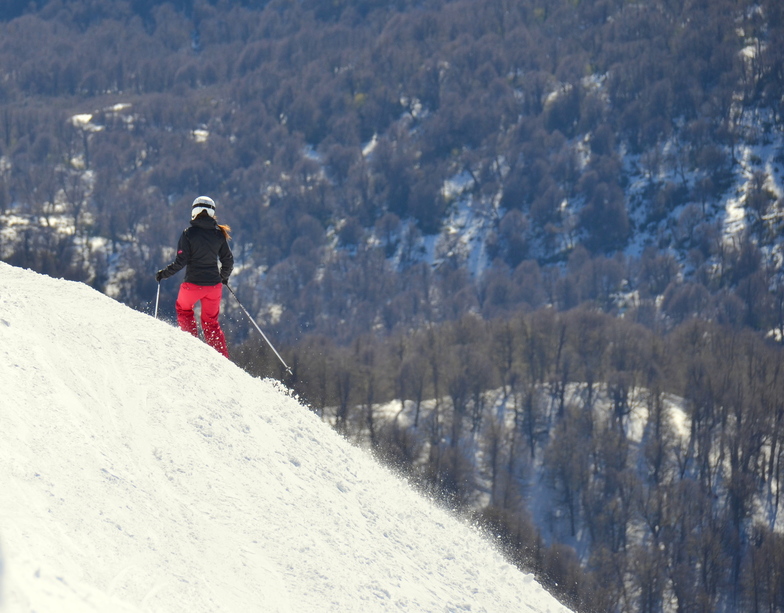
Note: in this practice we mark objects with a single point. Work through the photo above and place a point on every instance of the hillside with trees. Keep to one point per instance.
(631, 470)
(552, 219)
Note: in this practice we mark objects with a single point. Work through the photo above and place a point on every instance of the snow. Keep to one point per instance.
(200, 135)
(370, 146)
(465, 227)
(85, 122)
(141, 471)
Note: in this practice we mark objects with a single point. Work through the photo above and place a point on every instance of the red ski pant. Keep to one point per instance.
(210, 297)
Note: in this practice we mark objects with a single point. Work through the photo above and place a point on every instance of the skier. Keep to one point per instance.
(200, 247)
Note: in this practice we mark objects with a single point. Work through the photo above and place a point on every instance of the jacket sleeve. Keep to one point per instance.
(226, 260)
(183, 255)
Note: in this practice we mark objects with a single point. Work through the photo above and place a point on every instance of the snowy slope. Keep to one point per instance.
(141, 471)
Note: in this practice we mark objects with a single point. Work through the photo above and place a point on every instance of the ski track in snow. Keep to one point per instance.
(141, 471)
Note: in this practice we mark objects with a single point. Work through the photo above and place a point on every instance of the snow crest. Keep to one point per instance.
(141, 471)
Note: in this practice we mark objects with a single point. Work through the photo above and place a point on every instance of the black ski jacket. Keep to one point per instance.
(198, 250)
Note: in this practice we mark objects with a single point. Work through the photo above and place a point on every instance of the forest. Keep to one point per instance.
(546, 231)
(565, 435)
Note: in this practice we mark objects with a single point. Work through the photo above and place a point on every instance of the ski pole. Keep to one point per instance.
(264, 336)
(157, 297)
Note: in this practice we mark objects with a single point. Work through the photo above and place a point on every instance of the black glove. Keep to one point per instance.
(159, 276)
(225, 281)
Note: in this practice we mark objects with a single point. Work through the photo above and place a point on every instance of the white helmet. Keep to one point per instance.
(203, 203)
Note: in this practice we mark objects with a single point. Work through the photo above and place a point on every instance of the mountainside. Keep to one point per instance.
(142, 471)
(390, 165)
(526, 226)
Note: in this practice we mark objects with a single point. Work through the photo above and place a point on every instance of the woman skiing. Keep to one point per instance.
(199, 249)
